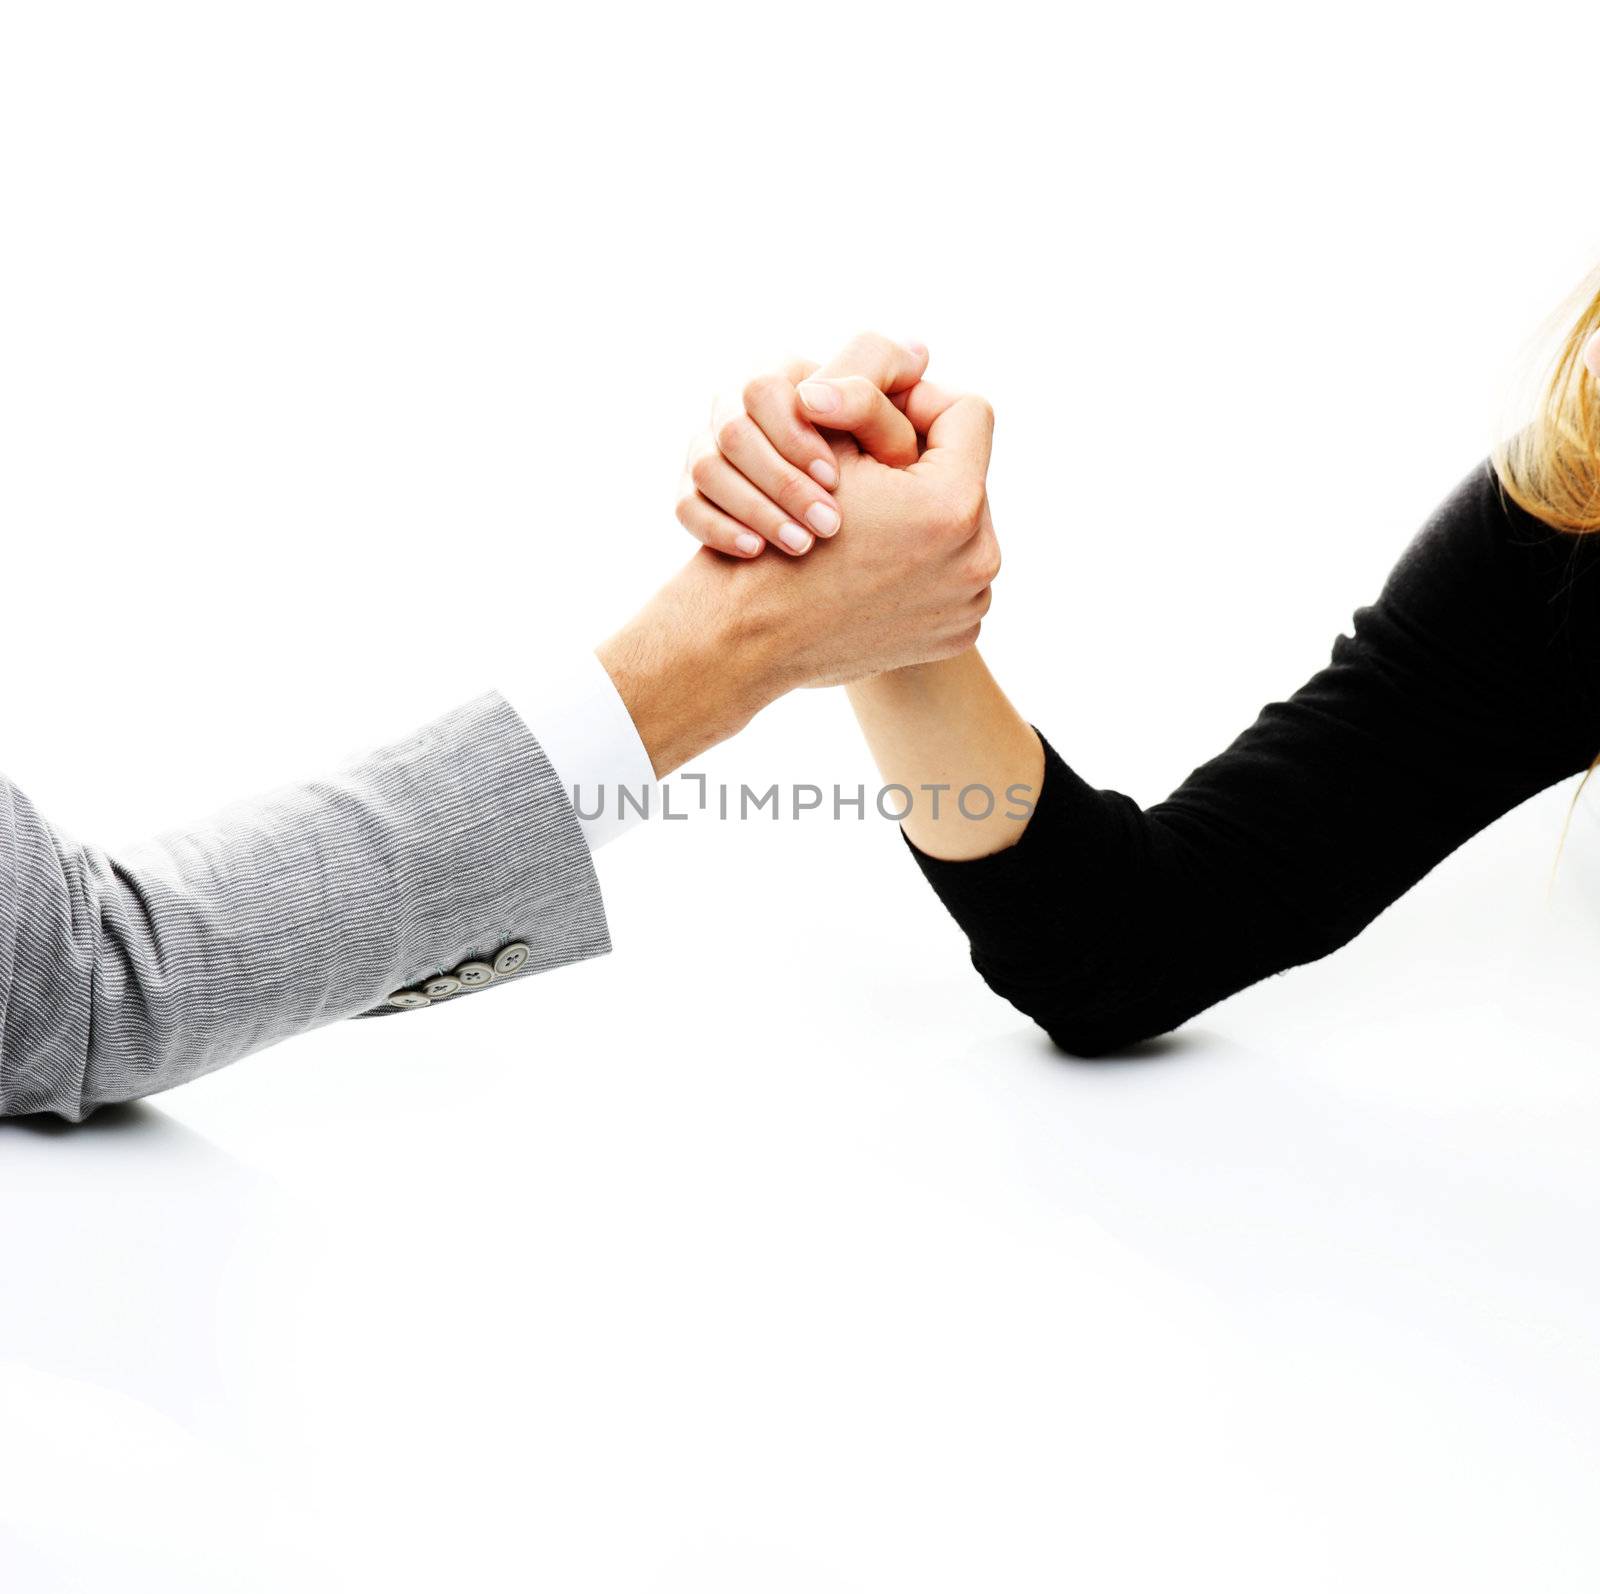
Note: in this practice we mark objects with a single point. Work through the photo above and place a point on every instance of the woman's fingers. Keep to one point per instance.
(744, 439)
(766, 472)
(857, 405)
(703, 520)
(714, 480)
(770, 402)
(845, 395)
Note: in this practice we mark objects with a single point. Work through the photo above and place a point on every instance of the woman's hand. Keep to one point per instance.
(906, 464)
(764, 473)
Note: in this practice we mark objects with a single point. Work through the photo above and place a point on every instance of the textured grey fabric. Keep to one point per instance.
(128, 974)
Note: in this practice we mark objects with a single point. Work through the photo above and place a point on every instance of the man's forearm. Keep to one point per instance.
(697, 663)
(445, 861)
(949, 725)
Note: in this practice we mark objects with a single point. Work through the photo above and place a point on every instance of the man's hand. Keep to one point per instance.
(908, 581)
(908, 464)
(907, 584)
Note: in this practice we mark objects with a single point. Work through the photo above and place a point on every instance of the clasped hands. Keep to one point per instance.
(847, 533)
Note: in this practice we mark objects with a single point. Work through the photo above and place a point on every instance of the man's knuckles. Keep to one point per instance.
(957, 510)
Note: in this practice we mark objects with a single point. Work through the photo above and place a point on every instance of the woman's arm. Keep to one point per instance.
(1463, 690)
(948, 728)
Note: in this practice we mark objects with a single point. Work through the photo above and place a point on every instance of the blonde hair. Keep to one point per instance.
(1551, 466)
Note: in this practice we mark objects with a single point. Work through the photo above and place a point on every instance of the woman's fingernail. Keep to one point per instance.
(918, 349)
(1591, 355)
(824, 471)
(822, 397)
(795, 540)
(824, 521)
(747, 542)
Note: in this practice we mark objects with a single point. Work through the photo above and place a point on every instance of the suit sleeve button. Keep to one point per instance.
(408, 999)
(442, 986)
(474, 976)
(511, 958)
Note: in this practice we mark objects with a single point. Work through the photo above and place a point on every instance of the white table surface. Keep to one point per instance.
(834, 1275)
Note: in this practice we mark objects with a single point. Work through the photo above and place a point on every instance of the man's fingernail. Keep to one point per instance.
(824, 471)
(795, 540)
(918, 349)
(824, 521)
(747, 542)
(822, 397)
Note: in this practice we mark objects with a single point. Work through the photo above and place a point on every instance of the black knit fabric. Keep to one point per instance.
(1468, 686)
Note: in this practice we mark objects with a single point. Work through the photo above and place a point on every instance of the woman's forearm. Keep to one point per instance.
(947, 730)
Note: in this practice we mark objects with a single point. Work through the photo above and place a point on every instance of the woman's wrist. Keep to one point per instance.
(946, 733)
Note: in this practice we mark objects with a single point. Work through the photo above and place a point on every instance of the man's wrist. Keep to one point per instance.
(696, 665)
(586, 732)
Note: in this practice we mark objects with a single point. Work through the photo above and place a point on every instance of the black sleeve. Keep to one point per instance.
(1467, 687)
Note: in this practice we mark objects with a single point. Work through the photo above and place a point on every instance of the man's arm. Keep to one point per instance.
(430, 869)
(121, 975)
(452, 859)
(697, 664)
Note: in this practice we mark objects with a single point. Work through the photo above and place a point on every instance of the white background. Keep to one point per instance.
(347, 358)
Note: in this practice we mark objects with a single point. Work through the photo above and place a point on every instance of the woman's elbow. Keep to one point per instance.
(1083, 1015)
(1094, 1037)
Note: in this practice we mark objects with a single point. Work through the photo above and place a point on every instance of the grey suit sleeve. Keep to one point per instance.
(126, 974)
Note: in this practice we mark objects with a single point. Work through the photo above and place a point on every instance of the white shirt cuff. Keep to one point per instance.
(581, 722)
